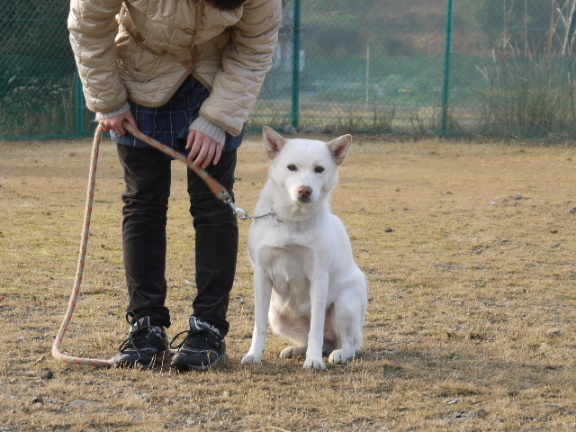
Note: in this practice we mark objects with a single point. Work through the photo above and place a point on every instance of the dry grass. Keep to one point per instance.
(472, 309)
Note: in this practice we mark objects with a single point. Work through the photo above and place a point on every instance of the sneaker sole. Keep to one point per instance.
(185, 367)
(158, 360)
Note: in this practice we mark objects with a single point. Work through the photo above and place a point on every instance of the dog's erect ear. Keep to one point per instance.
(339, 148)
(273, 141)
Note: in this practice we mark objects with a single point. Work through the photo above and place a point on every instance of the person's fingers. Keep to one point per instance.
(206, 155)
(193, 153)
(218, 153)
(203, 149)
(192, 145)
(104, 124)
(119, 127)
(115, 123)
(190, 140)
(130, 119)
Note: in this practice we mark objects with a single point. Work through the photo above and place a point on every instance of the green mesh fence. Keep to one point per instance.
(38, 85)
(493, 68)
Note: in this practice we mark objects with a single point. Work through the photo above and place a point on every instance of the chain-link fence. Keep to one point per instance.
(500, 68)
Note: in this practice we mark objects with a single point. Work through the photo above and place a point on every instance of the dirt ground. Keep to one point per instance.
(469, 250)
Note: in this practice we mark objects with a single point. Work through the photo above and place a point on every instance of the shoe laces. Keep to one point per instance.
(137, 336)
(196, 340)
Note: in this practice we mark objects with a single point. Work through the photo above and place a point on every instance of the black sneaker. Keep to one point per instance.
(203, 348)
(146, 346)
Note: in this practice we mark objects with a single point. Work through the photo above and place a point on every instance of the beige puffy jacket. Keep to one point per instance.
(145, 49)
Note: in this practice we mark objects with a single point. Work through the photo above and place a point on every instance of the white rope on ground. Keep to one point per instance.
(57, 345)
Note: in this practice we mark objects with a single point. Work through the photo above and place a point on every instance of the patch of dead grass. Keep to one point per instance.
(469, 251)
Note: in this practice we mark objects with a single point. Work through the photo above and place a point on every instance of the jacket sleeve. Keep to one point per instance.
(245, 62)
(93, 28)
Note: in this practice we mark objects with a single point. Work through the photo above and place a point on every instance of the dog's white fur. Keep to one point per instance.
(305, 276)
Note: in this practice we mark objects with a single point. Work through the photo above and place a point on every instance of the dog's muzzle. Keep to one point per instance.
(304, 194)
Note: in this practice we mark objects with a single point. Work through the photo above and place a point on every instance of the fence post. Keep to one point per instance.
(296, 66)
(447, 68)
(79, 107)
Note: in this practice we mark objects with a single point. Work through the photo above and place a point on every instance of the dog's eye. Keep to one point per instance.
(292, 167)
(319, 169)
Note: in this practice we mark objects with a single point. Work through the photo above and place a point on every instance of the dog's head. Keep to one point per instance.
(306, 169)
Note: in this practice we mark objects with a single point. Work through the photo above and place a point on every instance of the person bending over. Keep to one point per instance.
(186, 73)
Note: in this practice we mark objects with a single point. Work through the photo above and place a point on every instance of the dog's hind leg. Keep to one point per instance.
(293, 352)
(295, 329)
(347, 321)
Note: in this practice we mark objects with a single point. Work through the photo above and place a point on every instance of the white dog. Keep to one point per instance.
(305, 276)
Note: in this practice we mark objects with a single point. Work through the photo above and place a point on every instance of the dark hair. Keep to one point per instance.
(225, 5)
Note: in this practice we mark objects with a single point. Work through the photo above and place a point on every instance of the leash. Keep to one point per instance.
(219, 191)
(57, 345)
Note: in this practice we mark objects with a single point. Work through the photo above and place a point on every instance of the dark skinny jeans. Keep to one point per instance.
(147, 174)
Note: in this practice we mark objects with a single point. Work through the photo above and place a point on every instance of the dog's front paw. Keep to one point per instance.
(341, 356)
(251, 358)
(316, 364)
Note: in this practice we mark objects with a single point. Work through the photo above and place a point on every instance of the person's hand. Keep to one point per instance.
(204, 150)
(115, 123)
